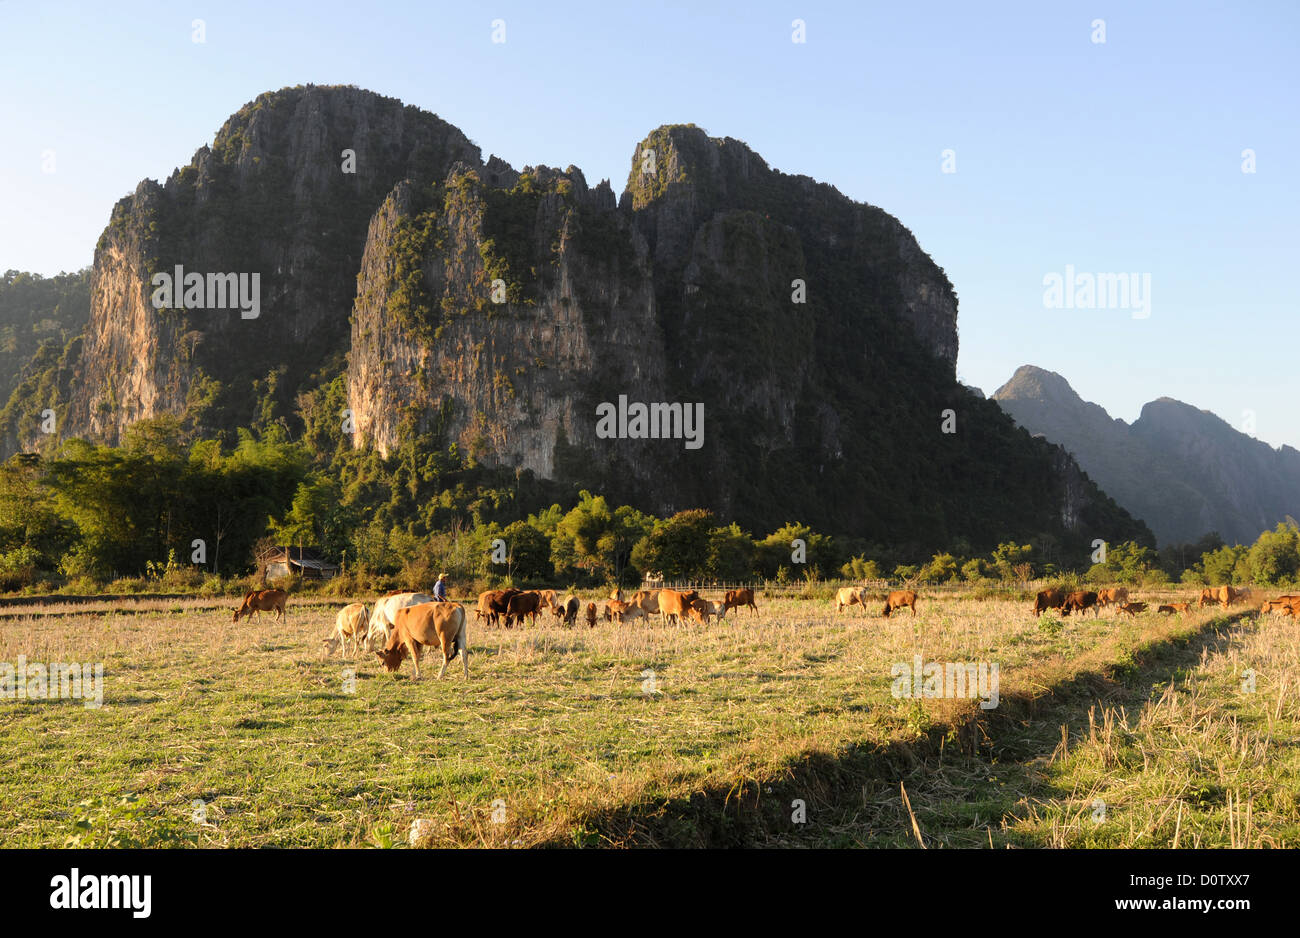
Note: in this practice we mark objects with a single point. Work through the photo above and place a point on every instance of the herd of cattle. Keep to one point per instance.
(402, 624)
(1225, 596)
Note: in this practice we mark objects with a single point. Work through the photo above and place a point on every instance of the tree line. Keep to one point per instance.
(158, 504)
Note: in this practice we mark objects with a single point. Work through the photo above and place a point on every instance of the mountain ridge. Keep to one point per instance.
(1182, 469)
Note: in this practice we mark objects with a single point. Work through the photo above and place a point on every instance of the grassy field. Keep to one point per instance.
(774, 730)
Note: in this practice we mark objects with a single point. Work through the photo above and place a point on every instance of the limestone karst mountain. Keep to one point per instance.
(468, 303)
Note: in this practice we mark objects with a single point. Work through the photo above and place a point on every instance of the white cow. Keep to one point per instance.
(381, 620)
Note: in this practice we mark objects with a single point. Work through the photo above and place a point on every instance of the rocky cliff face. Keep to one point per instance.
(683, 294)
(269, 197)
(500, 310)
(1184, 471)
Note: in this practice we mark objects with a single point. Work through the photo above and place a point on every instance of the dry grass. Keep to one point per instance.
(555, 739)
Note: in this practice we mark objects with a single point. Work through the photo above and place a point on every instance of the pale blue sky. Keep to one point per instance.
(1123, 156)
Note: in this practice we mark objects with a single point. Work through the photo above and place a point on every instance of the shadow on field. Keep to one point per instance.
(852, 797)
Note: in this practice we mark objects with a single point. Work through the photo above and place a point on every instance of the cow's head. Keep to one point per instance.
(393, 653)
(392, 658)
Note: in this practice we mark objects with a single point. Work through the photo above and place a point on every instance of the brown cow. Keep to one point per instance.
(547, 600)
(673, 604)
(1049, 599)
(1223, 595)
(1080, 601)
(899, 599)
(1171, 608)
(523, 604)
(1281, 605)
(850, 596)
(572, 606)
(647, 600)
(427, 624)
(263, 601)
(493, 604)
(591, 615)
(701, 610)
(1114, 594)
(624, 612)
(1132, 608)
(736, 599)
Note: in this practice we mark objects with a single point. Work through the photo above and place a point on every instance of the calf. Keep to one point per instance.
(591, 615)
(1171, 608)
(1132, 608)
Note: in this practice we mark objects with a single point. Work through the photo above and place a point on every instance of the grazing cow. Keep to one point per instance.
(1080, 601)
(673, 604)
(1115, 594)
(701, 610)
(1179, 608)
(898, 599)
(1280, 606)
(624, 612)
(524, 604)
(850, 596)
(429, 623)
(485, 611)
(547, 601)
(350, 623)
(1049, 599)
(263, 601)
(385, 611)
(572, 606)
(591, 615)
(647, 600)
(736, 599)
(1224, 595)
(1132, 608)
(499, 604)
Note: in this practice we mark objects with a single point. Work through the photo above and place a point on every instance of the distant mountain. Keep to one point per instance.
(1184, 471)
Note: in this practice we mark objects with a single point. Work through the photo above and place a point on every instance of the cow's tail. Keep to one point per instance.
(461, 643)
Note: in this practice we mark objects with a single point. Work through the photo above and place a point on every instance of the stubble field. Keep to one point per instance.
(773, 730)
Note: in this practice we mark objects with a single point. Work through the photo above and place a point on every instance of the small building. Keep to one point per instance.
(306, 562)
